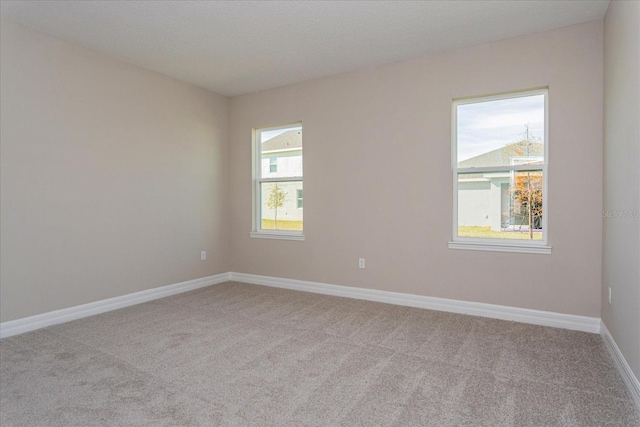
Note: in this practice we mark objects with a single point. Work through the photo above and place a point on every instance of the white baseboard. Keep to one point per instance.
(31, 323)
(536, 317)
(621, 364)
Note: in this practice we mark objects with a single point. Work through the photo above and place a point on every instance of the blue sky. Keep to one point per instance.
(486, 126)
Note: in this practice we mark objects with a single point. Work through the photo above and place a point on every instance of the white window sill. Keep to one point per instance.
(501, 247)
(276, 235)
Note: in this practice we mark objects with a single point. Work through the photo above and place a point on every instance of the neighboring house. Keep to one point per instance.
(484, 198)
(282, 157)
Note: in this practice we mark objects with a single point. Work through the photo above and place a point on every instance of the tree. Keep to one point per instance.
(275, 201)
(527, 186)
(527, 193)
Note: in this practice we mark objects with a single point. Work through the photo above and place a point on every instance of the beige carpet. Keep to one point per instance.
(238, 354)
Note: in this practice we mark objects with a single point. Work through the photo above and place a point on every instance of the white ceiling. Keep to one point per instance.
(237, 47)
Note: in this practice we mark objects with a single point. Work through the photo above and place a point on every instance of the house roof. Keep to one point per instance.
(503, 156)
(285, 141)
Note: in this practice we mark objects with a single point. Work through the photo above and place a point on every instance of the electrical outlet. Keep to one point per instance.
(609, 294)
(361, 263)
(203, 255)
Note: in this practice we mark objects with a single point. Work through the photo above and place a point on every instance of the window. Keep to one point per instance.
(299, 198)
(278, 182)
(499, 161)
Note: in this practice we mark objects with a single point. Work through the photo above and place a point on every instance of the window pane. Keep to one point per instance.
(501, 132)
(500, 205)
(281, 152)
(299, 197)
(279, 205)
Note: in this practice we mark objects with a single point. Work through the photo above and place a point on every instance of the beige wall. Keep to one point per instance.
(379, 138)
(621, 250)
(113, 178)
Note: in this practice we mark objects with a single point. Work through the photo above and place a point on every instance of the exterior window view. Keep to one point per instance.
(279, 195)
(499, 167)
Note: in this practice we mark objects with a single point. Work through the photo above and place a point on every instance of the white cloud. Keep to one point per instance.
(486, 126)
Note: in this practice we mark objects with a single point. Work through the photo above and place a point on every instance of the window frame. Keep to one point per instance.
(257, 231)
(501, 245)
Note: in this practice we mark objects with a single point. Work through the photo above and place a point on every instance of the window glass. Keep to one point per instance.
(499, 166)
(278, 180)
